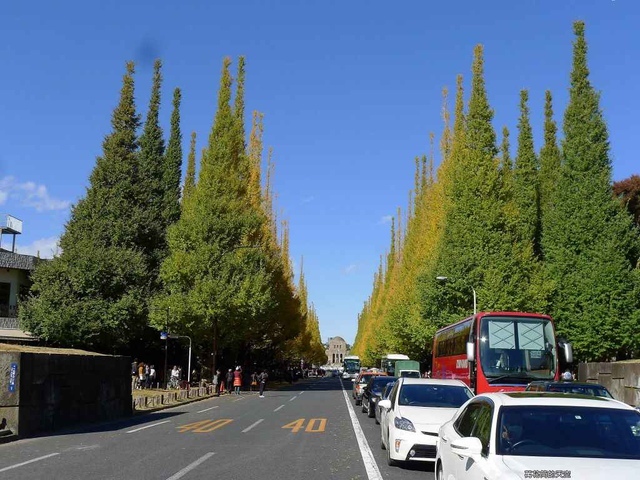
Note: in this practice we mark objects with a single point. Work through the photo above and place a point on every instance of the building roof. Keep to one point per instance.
(337, 339)
(17, 261)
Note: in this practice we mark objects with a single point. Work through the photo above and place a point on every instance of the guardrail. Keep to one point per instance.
(170, 398)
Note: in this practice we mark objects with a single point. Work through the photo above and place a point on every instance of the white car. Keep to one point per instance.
(540, 435)
(415, 411)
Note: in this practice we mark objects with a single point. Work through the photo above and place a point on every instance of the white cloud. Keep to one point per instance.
(385, 219)
(29, 194)
(350, 269)
(46, 247)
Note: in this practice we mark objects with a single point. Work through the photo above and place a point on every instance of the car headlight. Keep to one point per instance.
(404, 424)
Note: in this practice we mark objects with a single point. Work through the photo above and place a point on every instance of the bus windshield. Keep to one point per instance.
(513, 349)
(351, 366)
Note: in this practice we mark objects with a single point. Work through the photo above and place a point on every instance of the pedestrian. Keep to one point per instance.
(216, 382)
(134, 373)
(175, 377)
(229, 380)
(152, 376)
(141, 374)
(147, 375)
(263, 381)
(237, 380)
(254, 381)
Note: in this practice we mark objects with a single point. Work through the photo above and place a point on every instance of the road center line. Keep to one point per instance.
(293, 398)
(253, 425)
(191, 466)
(28, 462)
(370, 465)
(300, 393)
(281, 406)
(207, 409)
(147, 426)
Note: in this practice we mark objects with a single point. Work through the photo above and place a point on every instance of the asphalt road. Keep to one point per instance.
(305, 431)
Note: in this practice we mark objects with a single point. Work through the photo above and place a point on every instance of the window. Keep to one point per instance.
(466, 421)
(453, 341)
(482, 428)
(5, 293)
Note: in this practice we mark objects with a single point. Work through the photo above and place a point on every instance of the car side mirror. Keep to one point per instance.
(386, 404)
(469, 447)
(568, 352)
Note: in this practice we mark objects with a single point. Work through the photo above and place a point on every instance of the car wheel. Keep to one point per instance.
(382, 440)
(371, 412)
(439, 472)
(377, 421)
(364, 408)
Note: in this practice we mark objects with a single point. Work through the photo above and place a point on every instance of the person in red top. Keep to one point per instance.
(237, 380)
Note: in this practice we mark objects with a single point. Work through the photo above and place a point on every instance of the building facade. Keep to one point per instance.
(336, 351)
(15, 281)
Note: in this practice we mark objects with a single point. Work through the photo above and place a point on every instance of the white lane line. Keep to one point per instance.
(300, 393)
(370, 465)
(207, 409)
(28, 462)
(191, 466)
(253, 425)
(238, 400)
(147, 426)
(278, 408)
(293, 398)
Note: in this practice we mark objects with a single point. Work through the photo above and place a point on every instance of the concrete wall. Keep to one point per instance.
(54, 391)
(621, 379)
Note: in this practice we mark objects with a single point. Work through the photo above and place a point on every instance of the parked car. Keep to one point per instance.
(372, 392)
(416, 409)
(550, 435)
(593, 389)
(385, 394)
(360, 382)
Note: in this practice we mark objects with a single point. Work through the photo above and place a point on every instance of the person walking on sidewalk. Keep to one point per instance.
(254, 381)
(263, 381)
(216, 382)
(229, 380)
(237, 380)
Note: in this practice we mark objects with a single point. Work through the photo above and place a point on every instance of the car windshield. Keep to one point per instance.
(568, 431)
(443, 396)
(517, 349)
(593, 390)
(378, 383)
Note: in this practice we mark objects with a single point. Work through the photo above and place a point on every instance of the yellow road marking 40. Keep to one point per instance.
(315, 425)
(204, 426)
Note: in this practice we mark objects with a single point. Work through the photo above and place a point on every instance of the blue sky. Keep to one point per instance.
(350, 92)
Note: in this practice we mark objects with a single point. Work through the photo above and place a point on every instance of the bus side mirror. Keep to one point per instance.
(568, 352)
(471, 352)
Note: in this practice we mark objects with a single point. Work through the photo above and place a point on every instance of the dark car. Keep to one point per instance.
(372, 393)
(385, 394)
(593, 389)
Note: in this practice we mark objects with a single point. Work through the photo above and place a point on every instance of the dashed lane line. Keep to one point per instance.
(28, 462)
(147, 426)
(207, 409)
(370, 465)
(281, 406)
(253, 425)
(191, 466)
(293, 398)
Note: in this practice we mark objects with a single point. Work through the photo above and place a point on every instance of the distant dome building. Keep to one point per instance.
(336, 351)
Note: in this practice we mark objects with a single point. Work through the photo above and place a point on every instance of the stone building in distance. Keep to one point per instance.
(336, 351)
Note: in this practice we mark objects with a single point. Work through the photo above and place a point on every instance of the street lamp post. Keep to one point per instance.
(189, 363)
(475, 307)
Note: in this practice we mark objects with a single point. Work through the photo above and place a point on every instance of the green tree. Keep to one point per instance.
(173, 165)
(525, 177)
(589, 245)
(93, 295)
(190, 177)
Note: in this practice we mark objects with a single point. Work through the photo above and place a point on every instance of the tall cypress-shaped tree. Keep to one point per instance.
(93, 294)
(151, 177)
(589, 246)
(525, 176)
(549, 162)
(190, 176)
(173, 165)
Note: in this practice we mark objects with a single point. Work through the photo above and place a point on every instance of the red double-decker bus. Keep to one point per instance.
(499, 351)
